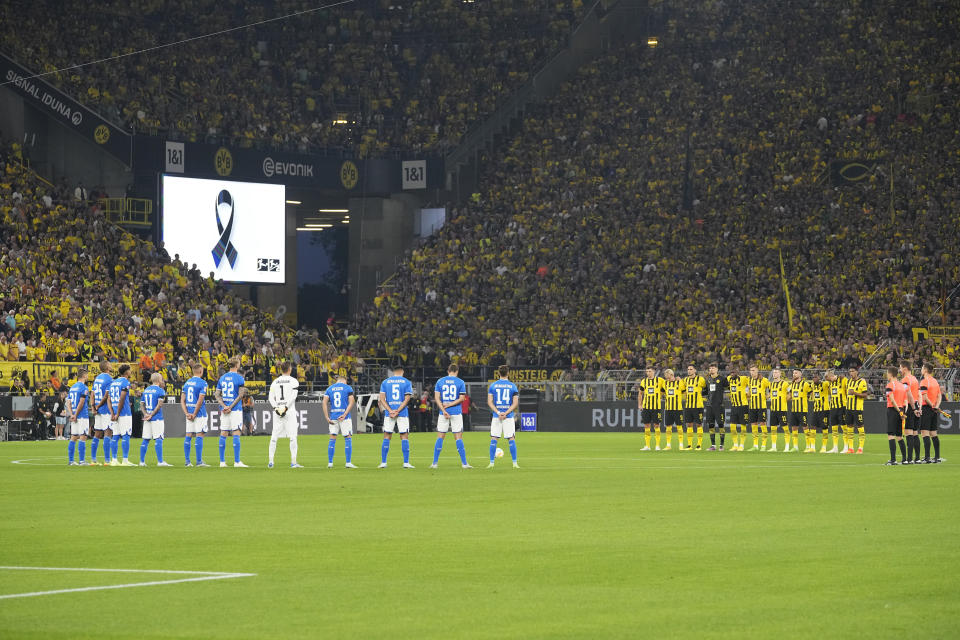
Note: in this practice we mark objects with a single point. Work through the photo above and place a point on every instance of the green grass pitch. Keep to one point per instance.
(590, 539)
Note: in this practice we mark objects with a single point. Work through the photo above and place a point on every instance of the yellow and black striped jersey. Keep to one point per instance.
(799, 394)
(673, 394)
(836, 393)
(652, 391)
(739, 390)
(778, 395)
(693, 392)
(759, 388)
(819, 391)
(855, 386)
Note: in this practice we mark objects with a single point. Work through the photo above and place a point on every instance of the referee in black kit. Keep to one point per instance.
(713, 409)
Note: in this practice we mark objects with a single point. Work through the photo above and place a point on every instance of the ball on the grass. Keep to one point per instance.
(499, 452)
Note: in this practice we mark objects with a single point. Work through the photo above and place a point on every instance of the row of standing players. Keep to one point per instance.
(113, 415)
(836, 402)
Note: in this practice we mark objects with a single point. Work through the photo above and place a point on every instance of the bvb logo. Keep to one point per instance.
(349, 175)
(223, 162)
(101, 134)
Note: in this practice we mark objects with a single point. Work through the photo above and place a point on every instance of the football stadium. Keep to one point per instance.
(658, 299)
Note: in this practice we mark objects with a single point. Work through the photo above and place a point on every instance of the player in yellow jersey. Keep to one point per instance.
(821, 416)
(856, 392)
(759, 389)
(779, 405)
(672, 408)
(739, 398)
(836, 400)
(693, 386)
(799, 393)
(650, 403)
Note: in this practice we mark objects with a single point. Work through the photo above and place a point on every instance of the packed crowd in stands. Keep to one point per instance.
(640, 215)
(75, 288)
(412, 75)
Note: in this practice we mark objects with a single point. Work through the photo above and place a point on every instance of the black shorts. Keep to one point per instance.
(714, 417)
(836, 417)
(672, 417)
(738, 415)
(929, 420)
(894, 423)
(821, 419)
(650, 416)
(758, 416)
(798, 419)
(854, 418)
(778, 419)
(913, 421)
(693, 416)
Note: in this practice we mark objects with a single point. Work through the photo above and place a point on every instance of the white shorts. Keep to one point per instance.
(344, 428)
(285, 426)
(101, 422)
(197, 425)
(453, 423)
(153, 430)
(400, 423)
(81, 427)
(232, 421)
(504, 428)
(123, 426)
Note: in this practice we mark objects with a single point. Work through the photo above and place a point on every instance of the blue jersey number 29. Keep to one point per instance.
(448, 392)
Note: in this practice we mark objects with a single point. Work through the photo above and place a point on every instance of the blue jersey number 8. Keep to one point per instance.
(336, 399)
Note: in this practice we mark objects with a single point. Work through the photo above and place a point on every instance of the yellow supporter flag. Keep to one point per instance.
(786, 291)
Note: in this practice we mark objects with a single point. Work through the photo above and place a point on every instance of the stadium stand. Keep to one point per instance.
(414, 75)
(77, 288)
(641, 213)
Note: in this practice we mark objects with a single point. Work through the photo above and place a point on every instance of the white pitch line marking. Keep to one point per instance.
(198, 576)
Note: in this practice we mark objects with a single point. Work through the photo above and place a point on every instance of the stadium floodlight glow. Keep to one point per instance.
(653, 41)
(333, 210)
(313, 225)
(308, 229)
(294, 202)
(345, 221)
(339, 121)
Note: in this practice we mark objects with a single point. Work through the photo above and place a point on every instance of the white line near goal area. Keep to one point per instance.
(195, 576)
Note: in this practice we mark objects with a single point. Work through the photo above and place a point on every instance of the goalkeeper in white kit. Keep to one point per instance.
(283, 393)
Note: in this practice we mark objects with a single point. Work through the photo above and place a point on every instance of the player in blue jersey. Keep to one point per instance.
(503, 398)
(396, 392)
(78, 417)
(448, 393)
(101, 421)
(193, 397)
(150, 401)
(338, 402)
(121, 417)
(230, 392)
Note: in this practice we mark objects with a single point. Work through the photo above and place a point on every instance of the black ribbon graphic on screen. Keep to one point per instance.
(224, 246)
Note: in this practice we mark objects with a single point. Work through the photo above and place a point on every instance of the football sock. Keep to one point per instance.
(106, 449)
(143, 450)
(646, 436)
(835, 435)
(437, 448)
(94, 445)
(794, 437)
(773, 438)
(331, 448)
(83, 451)
(236, 449)
(656, 435)
(916, 447)
(690, 437)
(186, 448)
(126, 446)
(405, 450)
(893, 450)
(293, 449)
(713, 439)
(862, 434)
(71, 446)
(723, 437)
(222, 446)
(699, 436)
(763, 436)
(462, 450)
(272, 449)
(493, 449)
(115, 446)
(756, 435)
(903, 450)
(513, 450)
(384, 450)
(348, 448)
(158, 449)
(926, 447)
(935, 439)
(199, 450)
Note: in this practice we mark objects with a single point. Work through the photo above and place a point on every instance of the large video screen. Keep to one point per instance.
(234, 229)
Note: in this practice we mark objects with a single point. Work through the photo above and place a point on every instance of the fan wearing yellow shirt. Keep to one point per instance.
(693, 386)
(759, 389)
(799, 394)
(779, 405)
(856, 392)
(672, 408)
(836, 401)
(739, 399)
(650, 403)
